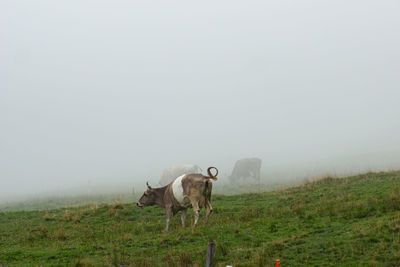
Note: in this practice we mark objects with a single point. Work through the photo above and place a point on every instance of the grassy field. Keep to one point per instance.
(352, 221)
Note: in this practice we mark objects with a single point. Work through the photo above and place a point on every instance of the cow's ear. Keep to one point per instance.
(148, 186)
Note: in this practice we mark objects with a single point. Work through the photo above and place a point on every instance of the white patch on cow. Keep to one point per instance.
(177, 189)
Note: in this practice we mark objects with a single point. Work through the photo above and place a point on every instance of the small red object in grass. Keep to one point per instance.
(277, 262)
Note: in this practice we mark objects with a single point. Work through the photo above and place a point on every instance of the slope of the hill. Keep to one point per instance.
(352, 221)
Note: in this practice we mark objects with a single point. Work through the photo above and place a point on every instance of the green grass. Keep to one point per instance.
(352, 221)
(52, 202)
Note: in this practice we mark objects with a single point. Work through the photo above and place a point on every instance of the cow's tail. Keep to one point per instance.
(214, 177)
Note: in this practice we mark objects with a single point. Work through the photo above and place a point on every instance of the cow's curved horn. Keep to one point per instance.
(147, 183)
(210, 174)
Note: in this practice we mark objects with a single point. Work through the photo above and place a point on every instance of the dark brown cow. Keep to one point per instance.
(188, 190)
(246, 168)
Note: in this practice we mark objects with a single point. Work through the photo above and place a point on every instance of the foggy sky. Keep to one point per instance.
(108, 90)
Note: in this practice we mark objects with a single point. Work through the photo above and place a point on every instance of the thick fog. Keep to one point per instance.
(112, 91)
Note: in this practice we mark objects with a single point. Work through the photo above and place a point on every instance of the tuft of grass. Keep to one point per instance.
(117, 257)
(84, 262)
(60, 234)
(393, 199)
(117, 205)
(48, 217)
(28, 236)
(42, 230)
(185, 259)
(76, 218)
(67, 216)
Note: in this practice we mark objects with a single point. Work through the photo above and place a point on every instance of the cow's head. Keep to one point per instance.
(148, 198)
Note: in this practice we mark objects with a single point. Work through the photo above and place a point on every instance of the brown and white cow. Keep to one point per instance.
(188, 190)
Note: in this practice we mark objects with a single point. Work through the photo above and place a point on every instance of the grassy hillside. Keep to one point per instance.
(352, 221)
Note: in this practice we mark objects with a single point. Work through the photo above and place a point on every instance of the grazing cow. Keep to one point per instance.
(172, 172)
(188, 190)
(246, 168)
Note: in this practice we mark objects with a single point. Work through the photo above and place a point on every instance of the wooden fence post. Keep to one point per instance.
(210, 254)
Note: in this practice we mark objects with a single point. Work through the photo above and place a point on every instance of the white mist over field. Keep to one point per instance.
(112, 92)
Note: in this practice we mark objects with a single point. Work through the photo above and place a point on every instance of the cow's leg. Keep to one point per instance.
(196, 209)
(209, 209)
(183, 217)
(169, 213)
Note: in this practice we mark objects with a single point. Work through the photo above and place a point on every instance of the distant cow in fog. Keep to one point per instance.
(245, 169)
(172, 172)
(188, 190)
